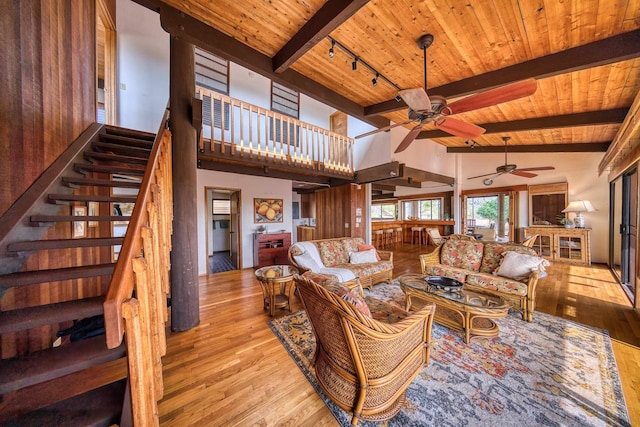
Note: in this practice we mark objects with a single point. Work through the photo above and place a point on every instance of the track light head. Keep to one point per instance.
(331, 51)
(374, 81)
(398, 99)
(354, 64)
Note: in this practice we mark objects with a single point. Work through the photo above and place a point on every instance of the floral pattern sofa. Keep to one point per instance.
(478, 265)
(340, 258)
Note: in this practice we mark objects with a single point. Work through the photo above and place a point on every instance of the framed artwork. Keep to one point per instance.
(93, 211)
(267, 210)
(79, 228)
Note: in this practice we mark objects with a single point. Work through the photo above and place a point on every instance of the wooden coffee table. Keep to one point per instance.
(462, 310)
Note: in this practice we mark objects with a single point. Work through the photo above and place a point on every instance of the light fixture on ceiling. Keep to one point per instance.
(579, 206)
(472, 142)
(487, 181)
(357, 60)
(397, 98)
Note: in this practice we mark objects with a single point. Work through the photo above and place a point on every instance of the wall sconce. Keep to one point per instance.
(578, 207)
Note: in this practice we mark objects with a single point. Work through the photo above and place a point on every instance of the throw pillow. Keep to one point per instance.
(353, 298)
(519, 266)
(307, 261)
(363, 257)
(363, 247)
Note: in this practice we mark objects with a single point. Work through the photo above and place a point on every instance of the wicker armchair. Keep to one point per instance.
(364, 365)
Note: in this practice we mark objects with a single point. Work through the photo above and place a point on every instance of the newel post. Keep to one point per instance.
(184, 255)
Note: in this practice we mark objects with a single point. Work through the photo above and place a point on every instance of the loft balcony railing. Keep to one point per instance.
(237, 129)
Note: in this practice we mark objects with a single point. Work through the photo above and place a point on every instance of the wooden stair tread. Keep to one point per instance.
(133, 170)
(31, 317)
(64, 198)
(25, 278)
(116, 158)
(38, 245)
(132, 133)
(78, 181)
(55, 362)
(121, 149)
(46, 220)
(99, 407)
(126, 140)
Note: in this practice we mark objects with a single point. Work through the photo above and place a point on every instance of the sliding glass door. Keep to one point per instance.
(624, 223)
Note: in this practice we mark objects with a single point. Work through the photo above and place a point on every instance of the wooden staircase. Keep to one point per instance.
(54, 280)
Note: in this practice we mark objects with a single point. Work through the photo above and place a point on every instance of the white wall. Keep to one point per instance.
(143, 67)
(250, 187)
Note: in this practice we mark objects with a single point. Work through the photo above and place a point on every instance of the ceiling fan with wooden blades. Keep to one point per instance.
(424, 109)
(511, 168)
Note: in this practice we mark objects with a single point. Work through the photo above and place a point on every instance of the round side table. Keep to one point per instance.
(274, 280)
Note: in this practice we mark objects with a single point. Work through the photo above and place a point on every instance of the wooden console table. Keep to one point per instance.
(559, 244)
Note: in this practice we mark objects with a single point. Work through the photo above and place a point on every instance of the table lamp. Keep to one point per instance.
(578, 207)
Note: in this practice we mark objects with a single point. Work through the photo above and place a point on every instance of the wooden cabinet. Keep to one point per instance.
(306, 233)
(571, 245)
(270, 249)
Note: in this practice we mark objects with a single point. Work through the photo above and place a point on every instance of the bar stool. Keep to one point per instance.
(399, 235)
(378, 238)
(416, 232)
(389, 236)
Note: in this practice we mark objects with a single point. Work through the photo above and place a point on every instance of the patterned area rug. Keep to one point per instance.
(550, 372)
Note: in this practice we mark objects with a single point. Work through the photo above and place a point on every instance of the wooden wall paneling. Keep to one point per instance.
(48, 66)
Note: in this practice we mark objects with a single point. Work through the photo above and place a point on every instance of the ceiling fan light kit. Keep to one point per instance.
(425, 109)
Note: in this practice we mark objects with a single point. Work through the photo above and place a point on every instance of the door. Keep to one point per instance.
(624, 214)
(234, 228)
(105, 64)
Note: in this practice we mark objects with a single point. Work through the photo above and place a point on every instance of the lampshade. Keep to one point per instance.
(579, 206)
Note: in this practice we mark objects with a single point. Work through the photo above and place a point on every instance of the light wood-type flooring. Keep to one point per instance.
(231, 369)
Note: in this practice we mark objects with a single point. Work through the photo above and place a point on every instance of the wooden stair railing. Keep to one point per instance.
(143, 265)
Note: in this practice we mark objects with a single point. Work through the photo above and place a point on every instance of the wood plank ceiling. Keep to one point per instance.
(585, 56)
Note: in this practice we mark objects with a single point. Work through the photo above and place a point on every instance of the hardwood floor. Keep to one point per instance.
(232, 370)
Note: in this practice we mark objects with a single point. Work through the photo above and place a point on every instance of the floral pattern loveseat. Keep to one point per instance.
(477, 265)
(335, 257)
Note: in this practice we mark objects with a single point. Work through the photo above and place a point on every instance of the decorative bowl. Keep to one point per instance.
(444, 283)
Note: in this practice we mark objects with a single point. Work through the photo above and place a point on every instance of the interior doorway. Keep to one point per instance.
(223, 229)
(105, 64)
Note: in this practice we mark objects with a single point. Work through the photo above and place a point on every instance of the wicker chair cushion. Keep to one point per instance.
(351, 296)
(368, 269)
(493, 254)
(458, 274)
(462, 254)
(333, 252)
(383, 311)
(497, 283)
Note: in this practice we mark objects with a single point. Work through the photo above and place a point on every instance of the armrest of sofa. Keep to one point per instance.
(386, 255)
(432, 258)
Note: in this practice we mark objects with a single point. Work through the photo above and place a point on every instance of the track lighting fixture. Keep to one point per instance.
(398, 99)
(354, 65)
(472, 142)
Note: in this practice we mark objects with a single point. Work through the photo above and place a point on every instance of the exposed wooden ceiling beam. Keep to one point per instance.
(422, 176)
(376, 186)
(193, 31)
(378, 173)
(402, 182)
(383, 197)
(602, 52)
(271, 172)
(589, 147)
(330, 16)
(589, 118)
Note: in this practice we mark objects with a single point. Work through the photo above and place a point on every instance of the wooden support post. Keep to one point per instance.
(184, 256)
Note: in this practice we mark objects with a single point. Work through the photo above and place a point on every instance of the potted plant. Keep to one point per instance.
(566, 222)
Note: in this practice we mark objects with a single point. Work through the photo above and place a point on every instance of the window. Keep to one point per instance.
(384, 211)
(430, 209)
(285, 100)
(221, 206)
(212, 73)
